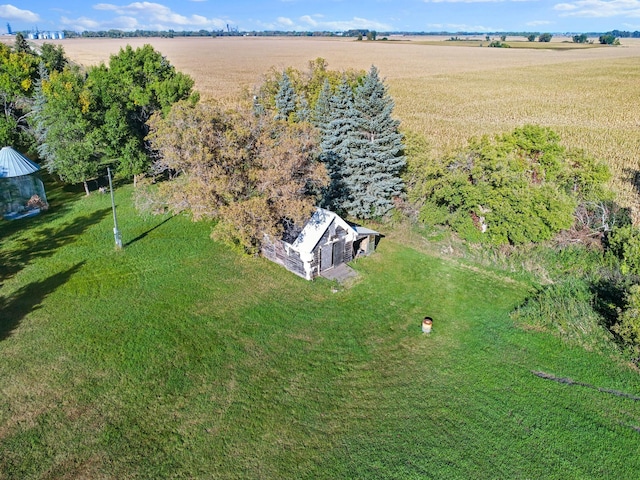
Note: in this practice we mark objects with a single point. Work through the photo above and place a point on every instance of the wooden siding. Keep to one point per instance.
(295, 264)
(277, 252)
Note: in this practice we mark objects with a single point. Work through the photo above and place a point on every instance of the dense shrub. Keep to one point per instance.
(623, 244)
(628, 326)
(608, 39)
(516, 188)
(582, 38)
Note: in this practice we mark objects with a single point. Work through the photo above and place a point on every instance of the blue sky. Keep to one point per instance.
(332, 15)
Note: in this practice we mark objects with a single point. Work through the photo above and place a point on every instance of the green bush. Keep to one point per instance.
(628, 326)
(608, 39)
(516, 188)
(499, 44)
(582, 38)
(432, 214)
(623, 244)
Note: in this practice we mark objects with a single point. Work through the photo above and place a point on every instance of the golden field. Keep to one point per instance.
(447, 92)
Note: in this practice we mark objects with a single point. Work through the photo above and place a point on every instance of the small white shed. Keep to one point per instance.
(325, 241)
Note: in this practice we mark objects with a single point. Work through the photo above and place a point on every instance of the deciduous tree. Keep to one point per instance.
(136, 84)
(67, 135)
(18, 72)
(248, 172)
(53, 57)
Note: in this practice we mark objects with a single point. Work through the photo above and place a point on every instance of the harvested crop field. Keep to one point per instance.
(447, 92)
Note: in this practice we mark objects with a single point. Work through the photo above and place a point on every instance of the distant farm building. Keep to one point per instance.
(45, 35)
(326, 241)
(21, 189)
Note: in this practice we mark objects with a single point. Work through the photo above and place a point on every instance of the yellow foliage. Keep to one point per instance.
(85, 101)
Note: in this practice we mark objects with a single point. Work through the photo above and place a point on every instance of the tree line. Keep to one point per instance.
(78, 121)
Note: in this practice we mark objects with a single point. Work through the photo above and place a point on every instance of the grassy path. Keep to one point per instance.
(177, 358)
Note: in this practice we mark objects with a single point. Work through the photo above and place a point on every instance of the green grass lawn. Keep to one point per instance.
(177, 358)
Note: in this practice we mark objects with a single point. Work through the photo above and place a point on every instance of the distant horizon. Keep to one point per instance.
(344, 33)
(385, 16)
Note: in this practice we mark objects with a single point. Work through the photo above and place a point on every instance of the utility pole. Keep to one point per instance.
(116, 232)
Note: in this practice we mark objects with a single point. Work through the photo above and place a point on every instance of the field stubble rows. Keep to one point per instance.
(448, 93)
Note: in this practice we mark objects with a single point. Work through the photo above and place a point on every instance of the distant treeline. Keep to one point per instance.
(233, 31)
(192, 33)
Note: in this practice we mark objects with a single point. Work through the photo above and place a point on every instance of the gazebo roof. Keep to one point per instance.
(14, 164)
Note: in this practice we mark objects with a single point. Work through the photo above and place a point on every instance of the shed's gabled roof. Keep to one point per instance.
(314, 229)
(13, 164)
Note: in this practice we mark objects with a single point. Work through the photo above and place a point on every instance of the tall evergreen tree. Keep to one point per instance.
(371, 171)
(303, 111)
(285, 98)
(322, 109)
(21, 45)
(39, 103)
(337, 143)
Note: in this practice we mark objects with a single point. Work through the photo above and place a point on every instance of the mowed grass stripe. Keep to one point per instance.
(177, 358)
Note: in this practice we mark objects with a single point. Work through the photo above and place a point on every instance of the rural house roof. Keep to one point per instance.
(14, 164)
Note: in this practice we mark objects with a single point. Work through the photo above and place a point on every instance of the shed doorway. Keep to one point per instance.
(326, 257)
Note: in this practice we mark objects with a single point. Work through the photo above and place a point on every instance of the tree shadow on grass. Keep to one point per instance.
(44, 242)
(144, 234)
(29, 298)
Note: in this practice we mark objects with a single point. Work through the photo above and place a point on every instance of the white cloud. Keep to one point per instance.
(286, 22)
(564, 7)
(538, 23)
(318, 23)
(10, 12)
(116, 23)
(600, 8)
(472, 1)
(80, 24)
(460, 27)
(155, 16)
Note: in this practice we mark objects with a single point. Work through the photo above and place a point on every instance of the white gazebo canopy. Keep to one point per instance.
(14, 164)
